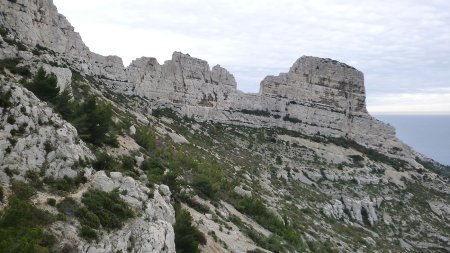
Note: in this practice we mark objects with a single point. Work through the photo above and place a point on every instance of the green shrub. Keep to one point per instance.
(88, 233)
(199, 207)
(109, 208)
(22, 224)
(65, 184)
(68, 206)
(1, 194)
(87, 217)
(3, 31)
(64, 105)
(124, 164)
(51, 201)
(372, 154)
(278, 160)
(93, 120)
(105, 162)
(205, 187)
(258, 211)
(287, 117)
(34, 179)
(5, 99)
(164, 112)
(44, 86)
(185, 233)
(11, 65)
(22, 190)
(154, 169)
(145, 138)
(256, 112)
(11, 120)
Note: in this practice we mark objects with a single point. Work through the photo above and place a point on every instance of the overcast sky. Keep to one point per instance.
(402, 46)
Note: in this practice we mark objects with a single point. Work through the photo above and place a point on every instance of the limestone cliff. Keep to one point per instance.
(300, 166)
(316, 97)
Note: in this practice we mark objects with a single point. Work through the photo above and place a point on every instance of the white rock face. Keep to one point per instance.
(37, 137)
(356, 209)
(241, 192)
(64, 76)
(37, 22)
(150, 231)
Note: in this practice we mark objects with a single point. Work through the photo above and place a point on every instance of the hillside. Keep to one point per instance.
(99, 157)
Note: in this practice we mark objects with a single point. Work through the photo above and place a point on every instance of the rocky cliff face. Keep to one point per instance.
(316, 97)
(298, 165)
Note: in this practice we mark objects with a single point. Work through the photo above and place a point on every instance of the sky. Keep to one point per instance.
(401, 46)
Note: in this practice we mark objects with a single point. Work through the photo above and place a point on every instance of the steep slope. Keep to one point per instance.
(300, 166)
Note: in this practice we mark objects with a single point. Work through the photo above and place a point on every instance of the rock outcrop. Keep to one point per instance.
(316, 97)
(150, 231)
(303, 147)
(33, 136)
(358, 210)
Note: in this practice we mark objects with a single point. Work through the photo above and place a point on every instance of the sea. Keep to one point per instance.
(427, 134)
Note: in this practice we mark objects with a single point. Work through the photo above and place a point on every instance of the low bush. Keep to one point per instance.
(256, 112)
(145, 138)
(5, 99)
(65, 184)
(44, 86)
(164, 112)
(22, 191)
(104, 162)
(258, 211)
(287, 117)
(51, 201)
(88, 233)
(124, 164)
(186, 234)
(22, 224)
(11, 65)
(109, 208)
(68, 206)
(92, 119)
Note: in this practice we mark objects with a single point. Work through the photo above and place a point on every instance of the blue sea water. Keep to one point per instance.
(427, 134)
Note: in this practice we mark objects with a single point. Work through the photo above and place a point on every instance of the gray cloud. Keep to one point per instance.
(402, 46)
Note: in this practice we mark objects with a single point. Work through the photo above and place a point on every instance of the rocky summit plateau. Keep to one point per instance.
(98, 157)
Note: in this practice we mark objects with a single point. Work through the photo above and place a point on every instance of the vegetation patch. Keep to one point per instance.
(145, 138)
(124, 164)
(22, 225)
(5, 99)
(92, 118)
(258, 211)
(187, 236)
(110, 210)
(11, 65)
(291, 119)
(443, 170)
(262, 113)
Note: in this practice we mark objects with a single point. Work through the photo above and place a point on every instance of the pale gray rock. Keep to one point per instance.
(139, 160)
(132, 130)
(439, 208)
(241, 192)
(178, 138)
(150, 231)
(44, 138)
(313, 175)
(64, 76)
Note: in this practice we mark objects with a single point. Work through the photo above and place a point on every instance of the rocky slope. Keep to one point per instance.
(299, 166)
